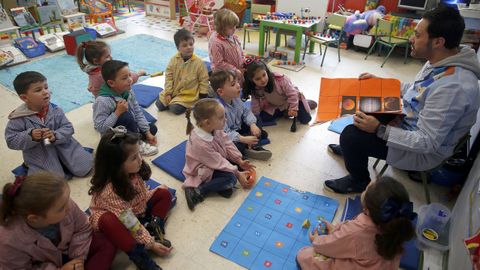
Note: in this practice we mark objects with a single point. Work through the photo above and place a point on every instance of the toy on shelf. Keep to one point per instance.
(290, 18)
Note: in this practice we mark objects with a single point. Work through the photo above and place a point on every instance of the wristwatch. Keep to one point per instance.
(381, 129)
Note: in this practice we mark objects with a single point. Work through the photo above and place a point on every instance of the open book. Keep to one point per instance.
(344, 96)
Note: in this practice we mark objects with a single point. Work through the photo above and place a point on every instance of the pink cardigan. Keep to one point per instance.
(207, 153)
(350, 246)
(22, 247)
(284, 96)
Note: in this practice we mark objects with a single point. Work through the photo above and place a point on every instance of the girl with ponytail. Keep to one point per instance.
(373, 240)
(210, 155)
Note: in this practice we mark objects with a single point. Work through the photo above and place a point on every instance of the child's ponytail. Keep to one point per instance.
(90, 50)
(389, 207)
(188, 112)
(34, 194)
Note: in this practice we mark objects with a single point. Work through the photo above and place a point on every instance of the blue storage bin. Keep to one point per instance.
(92, 32)
(30, 47)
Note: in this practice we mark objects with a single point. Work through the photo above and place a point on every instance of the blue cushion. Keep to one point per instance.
(146, 94)
(173, 161)
(149, 117)
(411, 255)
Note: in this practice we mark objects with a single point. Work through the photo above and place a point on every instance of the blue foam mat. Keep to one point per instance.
(146, 94)
(339, 124)
(173, 161)
(266, 231)
(150, 118)
(411, 256)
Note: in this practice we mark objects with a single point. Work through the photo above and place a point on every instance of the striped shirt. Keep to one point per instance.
(225, 53)
(236, 114)
(108, 201)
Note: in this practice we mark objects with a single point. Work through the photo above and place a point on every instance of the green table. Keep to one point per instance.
(298, 28)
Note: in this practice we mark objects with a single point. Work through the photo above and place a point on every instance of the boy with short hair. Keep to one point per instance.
(42, 131)
(186, 77)
(116, 105)
(240, 124)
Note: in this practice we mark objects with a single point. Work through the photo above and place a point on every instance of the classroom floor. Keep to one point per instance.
(299, 159)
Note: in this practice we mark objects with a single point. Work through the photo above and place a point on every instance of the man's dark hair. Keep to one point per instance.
(445, 22)
(24, 79)
(182, 35)
(111, 68)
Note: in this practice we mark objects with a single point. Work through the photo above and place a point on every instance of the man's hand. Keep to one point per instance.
(365, 122)
(366, 75)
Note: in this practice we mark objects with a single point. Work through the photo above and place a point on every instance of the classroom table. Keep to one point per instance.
(298, 28)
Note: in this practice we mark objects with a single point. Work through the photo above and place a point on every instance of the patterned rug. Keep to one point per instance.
(136, 9)
(68, 83)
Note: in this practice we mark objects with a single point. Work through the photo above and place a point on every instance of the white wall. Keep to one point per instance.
(317, 7)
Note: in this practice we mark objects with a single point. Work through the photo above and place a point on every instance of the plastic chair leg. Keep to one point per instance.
(305, 50)
(244, 36)
(338, 49)
(324, 53)
(388, 55)
(371, 49)
(423, 175)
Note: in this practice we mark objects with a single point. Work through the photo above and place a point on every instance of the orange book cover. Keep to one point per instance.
(342, 96)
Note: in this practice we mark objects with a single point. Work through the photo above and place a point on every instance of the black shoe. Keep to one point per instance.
(258, 153)
(141, 259)
(312, 104)
(157, 230)
(335, 149)
(416, 177)
(345, 185)
(227, 193)
(264, 134)
(193, 197)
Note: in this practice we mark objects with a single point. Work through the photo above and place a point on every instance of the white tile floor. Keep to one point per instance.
(299, 159)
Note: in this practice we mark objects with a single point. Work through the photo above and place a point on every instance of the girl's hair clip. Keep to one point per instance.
(251, 59)
(118, 132)
(12, 191)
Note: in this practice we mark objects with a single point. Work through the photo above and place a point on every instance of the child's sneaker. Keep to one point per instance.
(147, 149)
(258, 153)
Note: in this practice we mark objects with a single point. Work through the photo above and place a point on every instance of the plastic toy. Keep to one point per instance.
(321, 228)
(251, 179)
(306, 224)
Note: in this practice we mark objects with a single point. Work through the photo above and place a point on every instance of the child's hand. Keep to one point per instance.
(243, 179)
(76, 264)
(168, 99)
(250, 140)
(36, 134)
(239, 73)
(292, 113)
(245, 165)
(256, 131)
(122, 106)
(48, 134)
(151, 139)
(141, 72)
(328, 225)
(160, 249)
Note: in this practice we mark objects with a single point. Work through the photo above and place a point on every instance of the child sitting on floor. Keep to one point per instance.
(274, 94)
(375, 237)
(97, 53)
(116, 105)
(42, 228)
(186, 78)
(224, 47)
(209, 153)
(42, 131)
(241, 124)
(120, 198)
